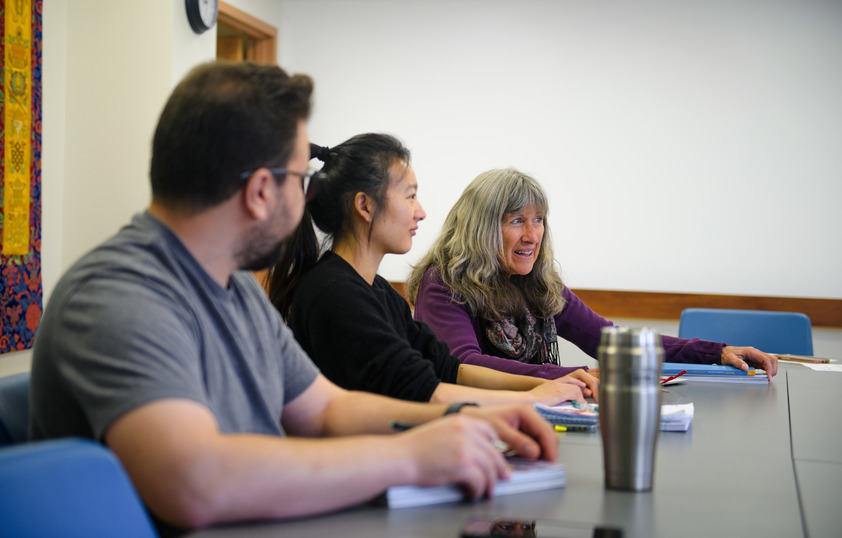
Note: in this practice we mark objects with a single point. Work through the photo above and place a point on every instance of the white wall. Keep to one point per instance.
(53, 145)
(722, 114)
(120, 59)
(686, 146)
(108, 69)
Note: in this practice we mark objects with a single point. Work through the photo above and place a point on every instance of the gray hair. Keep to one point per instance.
(468, 252)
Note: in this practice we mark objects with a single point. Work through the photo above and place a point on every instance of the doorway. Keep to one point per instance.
(242, 37)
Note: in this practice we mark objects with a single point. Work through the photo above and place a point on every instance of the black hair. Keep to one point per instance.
(224, 119)
(360, 164)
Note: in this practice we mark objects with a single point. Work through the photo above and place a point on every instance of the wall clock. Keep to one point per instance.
(202, 14)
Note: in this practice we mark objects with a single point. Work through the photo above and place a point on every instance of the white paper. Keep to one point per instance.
(825, 367)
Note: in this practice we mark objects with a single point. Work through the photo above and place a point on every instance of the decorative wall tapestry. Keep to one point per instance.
(20, 172)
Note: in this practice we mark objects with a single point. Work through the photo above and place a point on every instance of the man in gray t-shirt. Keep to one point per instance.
(160, 344)
(138, 320)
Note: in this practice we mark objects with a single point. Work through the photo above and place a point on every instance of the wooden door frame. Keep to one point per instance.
(263, 37)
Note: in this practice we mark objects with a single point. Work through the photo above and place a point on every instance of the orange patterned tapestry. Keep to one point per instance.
(18, 121)
(20, 184)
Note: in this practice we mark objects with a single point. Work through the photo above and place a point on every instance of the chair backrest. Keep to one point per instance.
(773, 332)
(68, 487)
(14, 408)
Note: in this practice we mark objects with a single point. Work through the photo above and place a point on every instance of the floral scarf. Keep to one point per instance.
(529, 339)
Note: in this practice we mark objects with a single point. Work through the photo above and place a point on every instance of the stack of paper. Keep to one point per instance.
(720, 373)
(674, 418)
(527, 475)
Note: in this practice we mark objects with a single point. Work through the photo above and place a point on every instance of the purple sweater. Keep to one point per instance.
(576, 323)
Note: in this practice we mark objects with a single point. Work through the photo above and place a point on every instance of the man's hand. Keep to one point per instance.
(520, 427)
(456, 449)
(463, 448)
(742, 357)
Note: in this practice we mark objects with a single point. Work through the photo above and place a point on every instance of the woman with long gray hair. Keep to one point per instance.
(490, 288)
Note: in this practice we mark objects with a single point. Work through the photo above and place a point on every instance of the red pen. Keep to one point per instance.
(679, 374)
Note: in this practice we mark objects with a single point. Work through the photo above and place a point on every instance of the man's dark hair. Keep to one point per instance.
(223, 119)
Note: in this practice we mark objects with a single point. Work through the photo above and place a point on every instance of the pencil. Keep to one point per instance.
(560, 428)
(801, 358)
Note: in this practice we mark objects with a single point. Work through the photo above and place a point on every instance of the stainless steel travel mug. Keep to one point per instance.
(629, 405)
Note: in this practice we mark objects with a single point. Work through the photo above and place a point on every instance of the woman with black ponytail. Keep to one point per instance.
(350, 320)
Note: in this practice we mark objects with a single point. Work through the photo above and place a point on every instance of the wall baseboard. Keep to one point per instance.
(657, 305)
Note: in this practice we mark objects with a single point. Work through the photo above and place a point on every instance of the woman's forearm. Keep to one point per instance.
(486, 378)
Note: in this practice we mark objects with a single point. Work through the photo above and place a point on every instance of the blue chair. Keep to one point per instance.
(773, 332)
(68, 487)
(14, 409)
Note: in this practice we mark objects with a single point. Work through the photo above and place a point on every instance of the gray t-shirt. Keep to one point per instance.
(138, 319)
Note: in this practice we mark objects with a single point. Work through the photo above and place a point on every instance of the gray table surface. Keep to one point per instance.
(738, 471)
(814, 404)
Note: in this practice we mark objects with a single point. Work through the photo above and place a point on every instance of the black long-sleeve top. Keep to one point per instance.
(363, 337)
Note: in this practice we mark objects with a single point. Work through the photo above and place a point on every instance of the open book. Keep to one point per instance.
(527, 475)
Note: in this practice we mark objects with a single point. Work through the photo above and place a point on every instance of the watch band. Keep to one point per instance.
(456, 407)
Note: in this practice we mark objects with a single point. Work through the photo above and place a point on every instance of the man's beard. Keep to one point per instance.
(266, 260)
(259, 251)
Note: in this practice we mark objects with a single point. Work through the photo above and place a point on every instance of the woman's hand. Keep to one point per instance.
(553, 392)
(742, 357)
(591, 382)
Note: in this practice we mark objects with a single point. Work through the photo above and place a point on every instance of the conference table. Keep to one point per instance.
(758, 460)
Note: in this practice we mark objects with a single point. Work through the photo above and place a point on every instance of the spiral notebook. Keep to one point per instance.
(674, 418)
(570, 414)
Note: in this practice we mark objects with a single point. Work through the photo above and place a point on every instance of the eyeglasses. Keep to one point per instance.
(309, 179)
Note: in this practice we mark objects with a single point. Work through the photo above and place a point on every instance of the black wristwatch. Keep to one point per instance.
(456, 407)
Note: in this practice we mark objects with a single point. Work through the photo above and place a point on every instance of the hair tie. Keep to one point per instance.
(319, 152)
